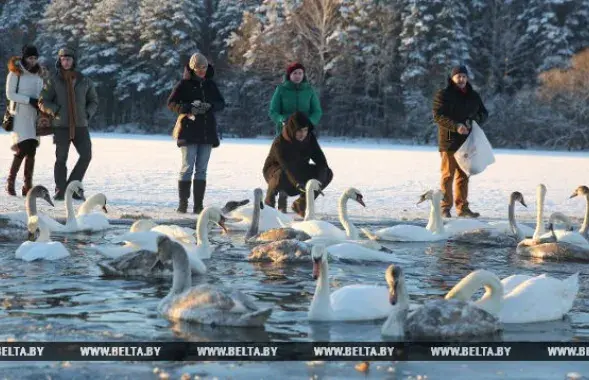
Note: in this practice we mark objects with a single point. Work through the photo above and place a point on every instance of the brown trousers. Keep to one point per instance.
(451, 170)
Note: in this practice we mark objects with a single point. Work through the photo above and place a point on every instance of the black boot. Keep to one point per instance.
(183, 195)
(270, 199)
(282, 198)
(16, 161)
(29, 170)
(198, 191)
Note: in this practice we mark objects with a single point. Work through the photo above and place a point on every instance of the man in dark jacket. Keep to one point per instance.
(454, 108)
(195, 98)
(287, 167)
(70, 98)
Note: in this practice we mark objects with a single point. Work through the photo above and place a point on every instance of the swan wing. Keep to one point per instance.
(407, 233)
(136, 264)
(94, 221)
(144, 239)
(361, 302)
(320, 228)
(30, 251)
(114, 251)
(539, 299)
(572, 237)
(511, 282)
(176, 232)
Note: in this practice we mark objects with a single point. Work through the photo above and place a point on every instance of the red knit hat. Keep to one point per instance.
(294, 66)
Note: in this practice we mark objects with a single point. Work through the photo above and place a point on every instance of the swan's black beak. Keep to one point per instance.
(221, 223)
(104, 209)
(81, 194)
(523, 203)
(573, 195)
(360, 200)
(47, 198)
(316, 267)
(421, 199)
(321, 192)
(392, 297)
(262, 205)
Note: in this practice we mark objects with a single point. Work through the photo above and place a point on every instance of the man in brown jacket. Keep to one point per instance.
(454, 108)
(70, 98)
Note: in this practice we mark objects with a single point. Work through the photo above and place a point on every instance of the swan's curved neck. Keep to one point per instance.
(87, 206)
(321, 304)
(435, 223)
(394, 326)
(310, 207)
(70, 213)
(255, 224)
(202, 228)
(585, 226)
(31, 204)
(490, 301)
(181, 265)
(540, 228)
(44, 233)
(342, 210)
(512, 223)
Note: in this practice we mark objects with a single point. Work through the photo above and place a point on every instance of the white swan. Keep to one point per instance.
(437, 319)
(498, 234)
(205, 304)
(71, 224)
(114, 251)
(320, 228)
(349, 303)
(434, 231)
(254, 236)
(523, 299)
(549, 245)
(583, 191)
(93, 221)
(267, 217)
(13, 226)
(42, 248)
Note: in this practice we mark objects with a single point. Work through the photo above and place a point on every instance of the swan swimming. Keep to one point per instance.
(42, 248)
(93, 221)
(519, 298)
(205, 304)
(434, 231)
(72, 224)
(349, 303)
(440, 319)
(254, 236)
(498, 234)
(320, 228)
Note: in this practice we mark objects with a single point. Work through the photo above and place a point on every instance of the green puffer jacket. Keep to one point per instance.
(289, 98)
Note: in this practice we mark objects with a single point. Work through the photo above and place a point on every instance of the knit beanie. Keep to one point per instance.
(459, 70)
(198, 61)
(292, 67)
(29, 51)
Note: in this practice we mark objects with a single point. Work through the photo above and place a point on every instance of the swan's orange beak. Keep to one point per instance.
(221, 223)
(104, 209)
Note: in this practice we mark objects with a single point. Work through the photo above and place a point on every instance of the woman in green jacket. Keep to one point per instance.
(294, 94)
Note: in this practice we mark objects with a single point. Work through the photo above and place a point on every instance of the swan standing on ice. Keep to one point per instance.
(498, 234)
(349, 303)
(205, 304)
(519, 298)
(42, 248)
(254, 236)
(93, 221)
(320, 228)
(434, 231)
(437, 319)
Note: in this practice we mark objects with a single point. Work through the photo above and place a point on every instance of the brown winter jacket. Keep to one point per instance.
(292, 156)
(451, 107)
(54, 100)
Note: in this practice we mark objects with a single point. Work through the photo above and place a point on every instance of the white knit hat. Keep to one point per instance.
(198, 61)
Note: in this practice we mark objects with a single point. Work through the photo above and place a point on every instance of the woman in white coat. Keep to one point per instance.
(23, 87)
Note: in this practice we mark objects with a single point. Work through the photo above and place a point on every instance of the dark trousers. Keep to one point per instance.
(26, 148)
(278, 181)
(83, 145)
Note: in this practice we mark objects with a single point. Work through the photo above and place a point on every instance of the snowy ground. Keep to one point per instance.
(138, 173)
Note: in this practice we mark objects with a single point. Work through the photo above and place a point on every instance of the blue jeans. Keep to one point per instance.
(195, 158)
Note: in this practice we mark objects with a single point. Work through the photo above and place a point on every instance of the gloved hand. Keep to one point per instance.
(34, 102)
(199, 107)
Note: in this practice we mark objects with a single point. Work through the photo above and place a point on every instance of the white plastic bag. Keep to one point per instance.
(476, 153)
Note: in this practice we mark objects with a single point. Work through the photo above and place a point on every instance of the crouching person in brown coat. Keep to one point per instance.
(454, 108)
(287, 166)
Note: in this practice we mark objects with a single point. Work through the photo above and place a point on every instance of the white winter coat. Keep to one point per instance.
(25, 115)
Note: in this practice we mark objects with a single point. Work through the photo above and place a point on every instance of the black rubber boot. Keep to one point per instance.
(14, 168)
(282, 198)
(29, 170)
(198, 191)
(183, 195)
